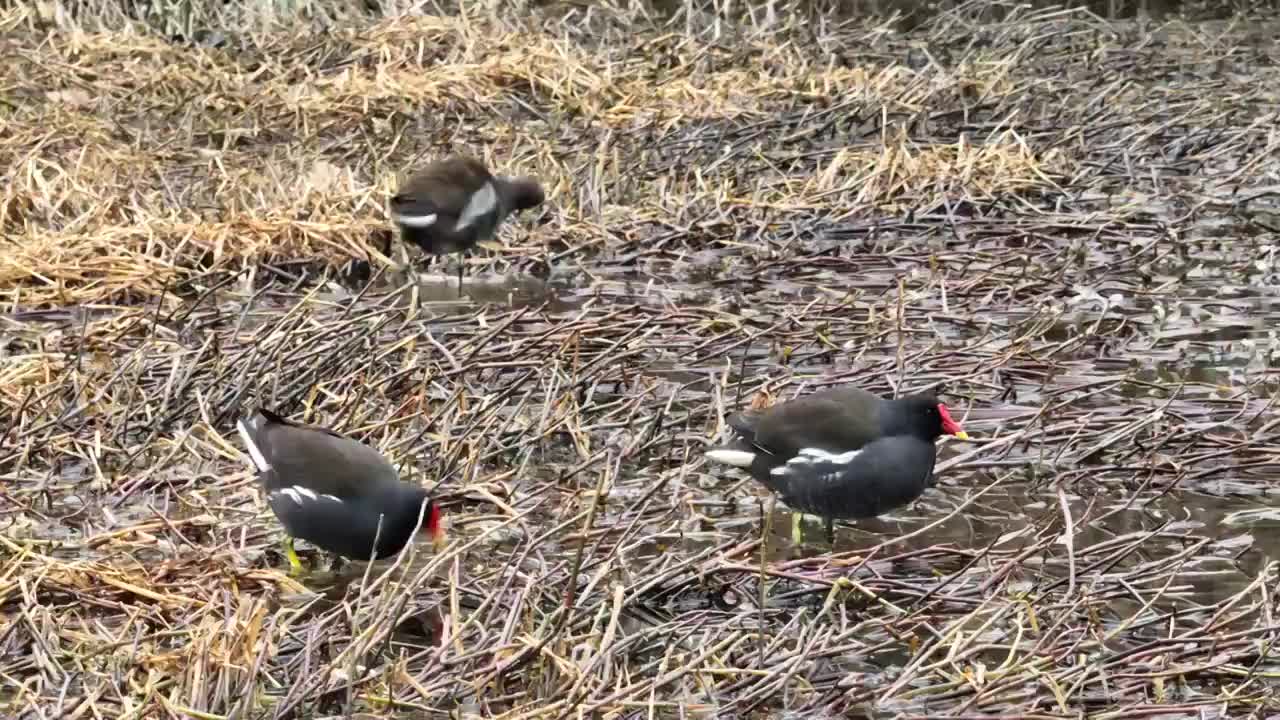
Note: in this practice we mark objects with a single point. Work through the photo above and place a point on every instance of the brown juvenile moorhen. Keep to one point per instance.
(454, 203)
(332, 490)
(841, 453)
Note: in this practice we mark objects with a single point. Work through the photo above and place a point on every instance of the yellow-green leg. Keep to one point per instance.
(295, 565)
(797, 533)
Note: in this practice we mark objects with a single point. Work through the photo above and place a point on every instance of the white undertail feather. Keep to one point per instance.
(482, 202)
(242, 427)
(736, 458)
(415, 221)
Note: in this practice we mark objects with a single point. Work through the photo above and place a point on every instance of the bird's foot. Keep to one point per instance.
(295, 565)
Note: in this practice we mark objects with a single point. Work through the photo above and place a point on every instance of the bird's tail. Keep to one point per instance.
(250, 429)
(742, 451)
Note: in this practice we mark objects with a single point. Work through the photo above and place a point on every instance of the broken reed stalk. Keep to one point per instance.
(572, 589)
(766, 518)
(901, 334)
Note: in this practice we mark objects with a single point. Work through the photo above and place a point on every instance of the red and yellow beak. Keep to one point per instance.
(950, 426)
(434, 527)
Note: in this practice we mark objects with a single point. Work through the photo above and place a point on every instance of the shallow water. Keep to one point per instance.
(1202, 333)
(1190, 347)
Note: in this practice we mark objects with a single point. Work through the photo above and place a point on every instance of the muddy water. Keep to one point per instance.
(1195, 335)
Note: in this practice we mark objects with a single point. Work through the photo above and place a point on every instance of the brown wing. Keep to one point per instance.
(447, 184)
(320, 459)
(839, 419)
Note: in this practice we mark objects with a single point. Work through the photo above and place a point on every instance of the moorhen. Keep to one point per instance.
(841, 453)
(332, 490)
(454, 203)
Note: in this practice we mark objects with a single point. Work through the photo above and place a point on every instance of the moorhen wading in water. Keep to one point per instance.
(454, 203)
(841, 453)
(332, 490)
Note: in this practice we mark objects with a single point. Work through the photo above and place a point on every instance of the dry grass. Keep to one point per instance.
(1061, 221)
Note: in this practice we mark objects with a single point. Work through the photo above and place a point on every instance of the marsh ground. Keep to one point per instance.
(1067, 224)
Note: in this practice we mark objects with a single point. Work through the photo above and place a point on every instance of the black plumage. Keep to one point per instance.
(334, 491)
(842, 453)
(454, 203)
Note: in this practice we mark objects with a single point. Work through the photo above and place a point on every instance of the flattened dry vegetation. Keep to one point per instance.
(1066, 224)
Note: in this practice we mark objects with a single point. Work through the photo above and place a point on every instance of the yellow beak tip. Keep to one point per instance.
(962, 435)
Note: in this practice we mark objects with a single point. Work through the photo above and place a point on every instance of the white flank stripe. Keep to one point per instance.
(813, 456)
(736, 458)
(301, 495)
(255, 454)
(482, 202)
(414, 221)
(816, 456)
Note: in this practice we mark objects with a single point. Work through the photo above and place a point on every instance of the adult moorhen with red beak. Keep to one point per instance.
(334, 491)
(454, 203)
(842, 453)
